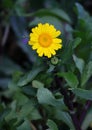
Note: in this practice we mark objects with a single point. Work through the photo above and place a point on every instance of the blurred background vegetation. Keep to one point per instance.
(17, 17)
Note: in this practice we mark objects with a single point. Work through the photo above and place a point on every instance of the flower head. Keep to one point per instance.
(44, 40)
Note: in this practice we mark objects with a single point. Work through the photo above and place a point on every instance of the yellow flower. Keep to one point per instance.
(44, 40)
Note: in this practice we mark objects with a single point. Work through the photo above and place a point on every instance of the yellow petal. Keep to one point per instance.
(57, 40)
(44, 40)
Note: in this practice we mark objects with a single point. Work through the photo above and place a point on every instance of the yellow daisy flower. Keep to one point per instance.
(44, 40)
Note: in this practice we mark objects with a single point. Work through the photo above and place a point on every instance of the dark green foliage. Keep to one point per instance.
(39, 93)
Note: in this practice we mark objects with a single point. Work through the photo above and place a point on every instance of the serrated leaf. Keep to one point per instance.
(52, 125)
(87, 73)
(79, 63)
(70, 78)
(86, 94)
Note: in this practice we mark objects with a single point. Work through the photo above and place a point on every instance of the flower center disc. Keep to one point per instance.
(45, 40)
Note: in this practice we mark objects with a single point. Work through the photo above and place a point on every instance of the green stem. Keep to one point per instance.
(69, 104)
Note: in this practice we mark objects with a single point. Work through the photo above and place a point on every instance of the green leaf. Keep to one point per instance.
(68, 50)
(76, 42)
(20, 98)
(87, 73)
(86, 94)
(44, 96)
(37, 84)
(79, 63)
(47, 19)
(25, 126)
(53, 12)
(87, 120)
(60, 13)
(28, 90)
(13, 87)
(11, 115)
(70, 78)
(82, 14)
(29, 77)
(28, 110)
(65, 117)
(52, 125)
(3, 115)
(16, 76)
(35, 115)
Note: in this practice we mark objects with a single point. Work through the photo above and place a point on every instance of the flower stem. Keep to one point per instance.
(69, 104)
(85, 109)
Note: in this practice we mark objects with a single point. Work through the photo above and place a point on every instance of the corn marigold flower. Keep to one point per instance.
(44, 40)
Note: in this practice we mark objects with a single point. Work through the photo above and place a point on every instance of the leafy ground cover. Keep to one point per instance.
(50, 90)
